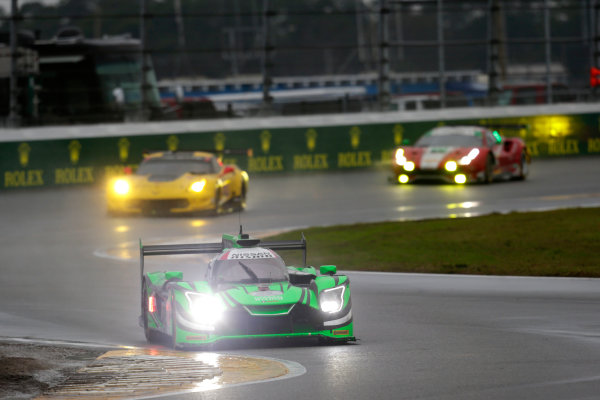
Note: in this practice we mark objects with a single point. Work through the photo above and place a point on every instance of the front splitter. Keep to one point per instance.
(146, 373)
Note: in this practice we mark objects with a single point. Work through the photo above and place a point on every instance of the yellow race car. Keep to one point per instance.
(178, 182)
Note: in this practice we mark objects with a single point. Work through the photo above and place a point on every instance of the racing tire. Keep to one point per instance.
(218, 206)
(240, 201)
(523, 168)
(489, 170)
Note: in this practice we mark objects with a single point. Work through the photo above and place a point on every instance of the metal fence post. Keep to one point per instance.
(14, 112)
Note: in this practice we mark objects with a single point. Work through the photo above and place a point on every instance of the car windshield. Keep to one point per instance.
(250, 271)
(175, 167)
(450, 139)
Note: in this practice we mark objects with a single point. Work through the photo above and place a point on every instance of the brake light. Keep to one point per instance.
(152, 304)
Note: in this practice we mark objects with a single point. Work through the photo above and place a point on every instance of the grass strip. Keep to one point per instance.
(550, 243)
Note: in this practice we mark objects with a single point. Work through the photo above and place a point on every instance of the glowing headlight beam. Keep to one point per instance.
(466, 160)
(400, 159)
(409, 166)
(206, 309)
(451, 166)
(460, 178)
(121, 187)
(198, 186)
(332, 300)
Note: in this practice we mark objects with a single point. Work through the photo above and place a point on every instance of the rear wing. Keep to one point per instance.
(174, 249)
(287, 245)
(213, 248)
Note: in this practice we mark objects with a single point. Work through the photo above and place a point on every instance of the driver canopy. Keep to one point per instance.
(248, 266)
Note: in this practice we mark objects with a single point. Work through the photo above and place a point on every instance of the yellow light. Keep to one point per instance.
(400, 159)
(122, 228)
(121, 187)
(460, 178)
(450, 166)
(409, 166)
(198, 186)
(197, 223)
(403, 178)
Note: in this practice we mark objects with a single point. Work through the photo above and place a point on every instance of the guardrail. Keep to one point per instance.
(77, 155)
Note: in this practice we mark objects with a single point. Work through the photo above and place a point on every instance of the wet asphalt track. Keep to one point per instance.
(69, 272)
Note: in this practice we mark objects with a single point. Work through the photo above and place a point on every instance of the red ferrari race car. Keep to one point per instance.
(461, 154)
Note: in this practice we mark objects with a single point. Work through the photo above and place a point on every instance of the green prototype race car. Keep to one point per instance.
(248, 292)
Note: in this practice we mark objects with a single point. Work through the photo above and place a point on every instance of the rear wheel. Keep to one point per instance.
(218, 207)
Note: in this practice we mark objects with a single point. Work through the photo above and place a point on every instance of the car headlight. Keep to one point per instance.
(400, 159)
(451, 166)
(198, 186)
(466, 160)
(409, 166)
(121, 186)
(206, 309)
(332, 300)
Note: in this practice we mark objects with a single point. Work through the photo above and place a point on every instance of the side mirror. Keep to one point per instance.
(174, 275)
(227, 170)
(327, 269)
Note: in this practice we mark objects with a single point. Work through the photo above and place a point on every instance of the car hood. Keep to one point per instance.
(163, 182)
(263, 294)
(435, 156)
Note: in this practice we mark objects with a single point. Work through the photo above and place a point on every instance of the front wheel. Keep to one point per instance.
(240, 201)
(523, 168)
(489, 170)
(218, 206)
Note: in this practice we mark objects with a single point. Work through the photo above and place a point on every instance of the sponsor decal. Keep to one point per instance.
(355, 137)
(24, 149)
(32, 177)
(267, 293)
(265, 141)
(265, 164)
(172, 143)
(311, 139)
(593, 146)
(354, 159)
(219, 141)
(123, 145)
(68, 176)
(310, 162)
(197, 337)
(74, 151)
(340, 332)
(563, 147)
(249, 254)
(398, 132)
(268, 296)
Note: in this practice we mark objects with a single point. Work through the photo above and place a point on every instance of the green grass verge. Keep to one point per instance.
(550, 243)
